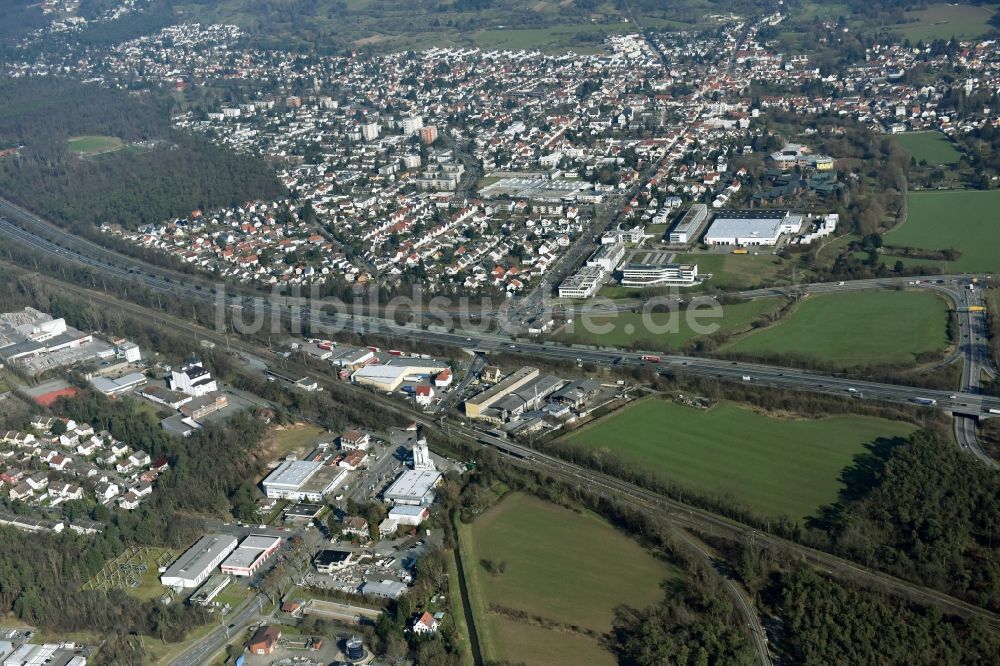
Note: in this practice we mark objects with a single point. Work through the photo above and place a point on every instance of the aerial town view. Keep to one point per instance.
(499, 333)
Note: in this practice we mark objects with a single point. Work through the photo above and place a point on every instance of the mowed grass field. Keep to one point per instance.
(95, 144)
(663, 331)
(777, 466)
(572, 568)
(944, 21)
(966, 220)
(931, 147)
(856, 329)
(736, 271)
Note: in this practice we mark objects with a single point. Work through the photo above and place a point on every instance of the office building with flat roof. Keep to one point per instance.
(688, 227)
(413, 487)
(584, 283)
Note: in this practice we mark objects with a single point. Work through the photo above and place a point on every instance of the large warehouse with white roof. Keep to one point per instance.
(193, 567)
(751, 227)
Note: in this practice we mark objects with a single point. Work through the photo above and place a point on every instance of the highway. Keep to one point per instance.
(72, 248)
(676, 512)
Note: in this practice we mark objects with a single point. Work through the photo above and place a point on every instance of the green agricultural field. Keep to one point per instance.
(569, 567)
(962, 219)
(675, 331)
(856, 329)
(777, 466)
(944, 21)
(89, 145)
(931, 147)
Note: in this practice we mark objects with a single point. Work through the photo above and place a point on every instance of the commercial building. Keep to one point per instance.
(656, 273)
(478, 404)
(585, 283)
(200, 407)
(112, 387)
(413, 488)
(193, 567)
(688, 227)
(405, 514)
(329, 561)
(192, 379)
(391, 375)
(300, 480)
(751, 227)
(251, 555)
(527, 398)
(384, 589)
(607, 256)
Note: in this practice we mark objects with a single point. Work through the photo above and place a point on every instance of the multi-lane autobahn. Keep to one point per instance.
(48, 238)
(680, 514)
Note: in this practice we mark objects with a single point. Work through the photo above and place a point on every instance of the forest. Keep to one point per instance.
(160, 174)
(926, 512)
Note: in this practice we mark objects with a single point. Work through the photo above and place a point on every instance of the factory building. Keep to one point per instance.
(300, 480)
(478, 404)
(391, 375)
(413, 488)
(193, 567)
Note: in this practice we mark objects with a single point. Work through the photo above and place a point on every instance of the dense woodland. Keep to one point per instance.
(924, 511)
(161, 174)
(826, 622)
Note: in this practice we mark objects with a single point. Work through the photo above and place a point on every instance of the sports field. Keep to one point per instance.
(88, 145)
(777, 466)
(663, 331)
(962, 219)
(856, 329)
(931, 147)
(568, 567)
(944, 21)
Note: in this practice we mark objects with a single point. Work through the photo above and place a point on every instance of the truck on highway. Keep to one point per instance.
(994, 411)
(746, 378)
(977, 308)
(925, 401)
(649, 358)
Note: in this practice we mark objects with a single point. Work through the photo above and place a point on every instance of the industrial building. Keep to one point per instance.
(656, 272)
(687, 229)
(585, 283)
(112, 387)
(391, 375)
(751, 227)
(529, 397)
(478, 404)
(385, 589)
(193, 567)
(300, 480)
(250, 555)
(406, 514)
(413, 487)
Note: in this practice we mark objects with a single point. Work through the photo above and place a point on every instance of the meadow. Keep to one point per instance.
(934, 148)
(855, 329)
(962, 219)
(944, 21)
(777, 466)
(94, 144)
(736, 271)
(566, 566)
